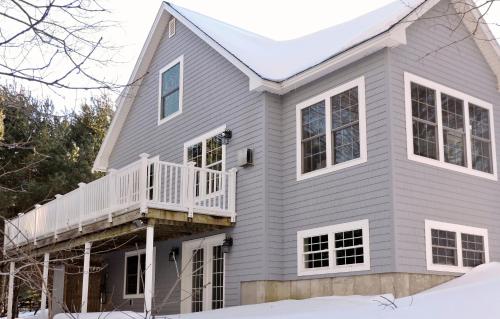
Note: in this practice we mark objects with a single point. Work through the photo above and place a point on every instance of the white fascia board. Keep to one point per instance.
(252, 75)
(127, 96)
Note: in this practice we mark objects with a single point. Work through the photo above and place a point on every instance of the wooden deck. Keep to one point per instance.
(126, 229)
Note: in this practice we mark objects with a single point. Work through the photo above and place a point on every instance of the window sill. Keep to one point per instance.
(336, 270)
(446, 268)
(168, 118)
(333, 168)
(139, 296)
(452, 167)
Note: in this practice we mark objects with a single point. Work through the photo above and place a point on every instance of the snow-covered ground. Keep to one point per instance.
(474, 295)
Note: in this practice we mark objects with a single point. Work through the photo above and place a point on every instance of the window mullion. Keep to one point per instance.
(468, 139)
(460, 261)
(440, 127)
(331, 251)
(328, 131)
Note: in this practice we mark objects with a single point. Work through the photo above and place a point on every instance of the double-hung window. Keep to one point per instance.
(448, 128)
(135, 270)
(332, 249)
(331, 130)
(455, 248)
(171, 90)
(207, 151)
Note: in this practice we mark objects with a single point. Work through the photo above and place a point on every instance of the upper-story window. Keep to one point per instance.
(455, 248)
(448, 128)
(170, 100)
(331, 130)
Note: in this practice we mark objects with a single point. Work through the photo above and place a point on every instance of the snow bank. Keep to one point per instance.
(474, 295)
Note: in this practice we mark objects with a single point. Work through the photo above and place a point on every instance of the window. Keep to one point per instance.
(202, 281)
(171, 90)
(332, 249)
(135, 267)
(331, 130)
(171, 28)
(207, 151)
(449, 129)
(455, 248)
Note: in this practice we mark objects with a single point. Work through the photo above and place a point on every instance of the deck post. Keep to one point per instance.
(37, 212)
(45, 280)
(191, 184)
(81, 203)
(112, 193)
(58, 213)
(10, 300)
(143, 183)
(85, 284)
(148, 278)
(232, 193)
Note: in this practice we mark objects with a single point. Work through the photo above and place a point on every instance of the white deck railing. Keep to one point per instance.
(147, 183)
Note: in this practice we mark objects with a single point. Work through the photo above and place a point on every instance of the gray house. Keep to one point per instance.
(360, 159)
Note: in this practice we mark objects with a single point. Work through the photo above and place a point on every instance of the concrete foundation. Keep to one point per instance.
(398, 284)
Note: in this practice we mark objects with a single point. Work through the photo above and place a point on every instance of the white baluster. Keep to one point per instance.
(112, 193)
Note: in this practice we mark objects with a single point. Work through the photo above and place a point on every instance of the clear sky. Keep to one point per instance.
(277, 19)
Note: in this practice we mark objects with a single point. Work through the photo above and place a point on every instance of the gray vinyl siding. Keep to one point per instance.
(215, 93)
(426, 192)
(351, 194)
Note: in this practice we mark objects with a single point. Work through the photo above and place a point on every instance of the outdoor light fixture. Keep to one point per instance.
(172, 255)
(225, 136)
(227, 244)
(138, 223)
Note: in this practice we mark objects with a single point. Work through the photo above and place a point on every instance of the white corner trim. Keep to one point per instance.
(136, 253)
(458, 229)
(325, 96)
(179, 60)
(439, 88)
(330, 231)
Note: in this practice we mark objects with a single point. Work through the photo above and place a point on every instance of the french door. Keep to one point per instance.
(202, 283)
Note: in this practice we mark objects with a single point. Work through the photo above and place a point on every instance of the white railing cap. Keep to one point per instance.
(81, 184)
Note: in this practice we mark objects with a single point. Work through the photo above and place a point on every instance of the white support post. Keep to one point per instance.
(191, 185)
(10, 301)
(143, 183)
(112, 193)
(148, 278)
(232, 193)
(37, 212)
(86, 270)
(81, 204)
(45, 281)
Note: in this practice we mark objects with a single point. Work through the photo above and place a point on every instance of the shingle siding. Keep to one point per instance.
(426, 192)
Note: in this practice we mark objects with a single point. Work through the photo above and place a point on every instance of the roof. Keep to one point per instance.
(279, 60)
(281, 66)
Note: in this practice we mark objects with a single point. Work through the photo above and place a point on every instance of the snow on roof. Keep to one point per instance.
(279, 60)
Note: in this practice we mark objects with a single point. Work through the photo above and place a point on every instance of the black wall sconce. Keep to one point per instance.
(227, 244)
(173, 254)
(225, 136)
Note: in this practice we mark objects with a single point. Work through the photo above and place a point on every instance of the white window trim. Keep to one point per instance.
(408, 78)
(458, 229)
(171, 27)
(203, 139)
(181, 89)
(331, 230)
(136, 253)
(189, 246)
(325, 96)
